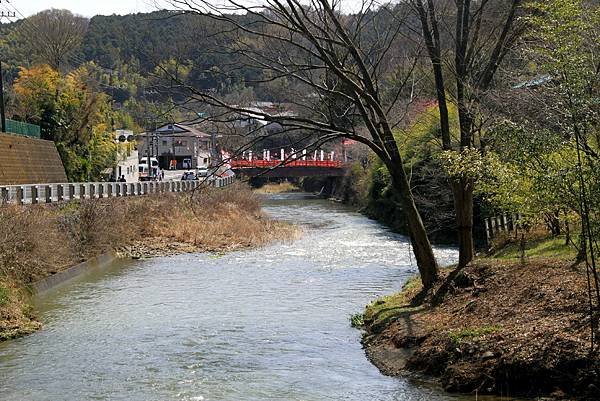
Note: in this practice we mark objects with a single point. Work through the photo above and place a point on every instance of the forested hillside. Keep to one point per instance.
(130, 49)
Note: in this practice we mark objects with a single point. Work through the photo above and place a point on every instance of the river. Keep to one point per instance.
(264, 324)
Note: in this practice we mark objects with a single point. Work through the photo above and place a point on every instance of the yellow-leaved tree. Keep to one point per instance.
(72, 113)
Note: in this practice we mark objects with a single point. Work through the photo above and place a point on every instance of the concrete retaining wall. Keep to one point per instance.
(25, 160)
(65, 276)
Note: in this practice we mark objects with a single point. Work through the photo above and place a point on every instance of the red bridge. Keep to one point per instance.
(288, 168)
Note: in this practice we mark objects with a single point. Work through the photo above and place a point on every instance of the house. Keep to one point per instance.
(177, 146)
(254, 117)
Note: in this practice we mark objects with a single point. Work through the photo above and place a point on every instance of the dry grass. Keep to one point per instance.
(278, 188)
(31, 243)
(37, 241)
(211, 220)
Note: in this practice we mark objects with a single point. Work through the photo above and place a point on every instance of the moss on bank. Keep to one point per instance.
(16, 315)
(40, 240)
(504, 328)
(538, 247)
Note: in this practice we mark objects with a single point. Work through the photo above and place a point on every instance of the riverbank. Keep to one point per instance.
(504, 328)
(41, 240)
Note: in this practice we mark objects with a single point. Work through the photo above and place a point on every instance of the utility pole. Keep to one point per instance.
(173, 144)
(148, 147)
(3, 14)
(2, 111)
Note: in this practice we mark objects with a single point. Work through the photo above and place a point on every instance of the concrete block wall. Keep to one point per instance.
(27, 161)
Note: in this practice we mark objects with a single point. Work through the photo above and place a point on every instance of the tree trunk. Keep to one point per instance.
(582, 253)
(463, 205)
(421, 245)
(553, 222)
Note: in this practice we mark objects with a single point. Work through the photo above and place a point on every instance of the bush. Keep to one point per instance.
(95, 226)
(30, 243)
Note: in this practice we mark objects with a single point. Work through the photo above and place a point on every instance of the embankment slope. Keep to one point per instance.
(504, 328)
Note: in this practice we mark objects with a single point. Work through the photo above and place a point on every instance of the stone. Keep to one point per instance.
(487, 355)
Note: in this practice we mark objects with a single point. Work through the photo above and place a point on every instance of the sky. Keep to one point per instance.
(87, 8)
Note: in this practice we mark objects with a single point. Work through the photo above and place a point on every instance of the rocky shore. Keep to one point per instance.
(159, 247)
(504, 329)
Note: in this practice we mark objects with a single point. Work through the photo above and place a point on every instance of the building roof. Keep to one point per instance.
(180, 130)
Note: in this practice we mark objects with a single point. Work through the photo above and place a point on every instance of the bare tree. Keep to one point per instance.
(52, 36)
(342, 66)
(465, 56)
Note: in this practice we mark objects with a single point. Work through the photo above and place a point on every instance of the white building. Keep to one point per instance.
(177, 145)
(127, 157)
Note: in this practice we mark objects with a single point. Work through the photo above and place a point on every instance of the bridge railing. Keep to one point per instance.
(53, 193)
(290, 163)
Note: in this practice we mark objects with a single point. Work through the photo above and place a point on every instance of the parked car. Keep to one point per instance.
(202, 171)
(189, 176)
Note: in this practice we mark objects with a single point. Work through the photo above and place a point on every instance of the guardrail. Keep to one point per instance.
(221, 182)
(52, 193)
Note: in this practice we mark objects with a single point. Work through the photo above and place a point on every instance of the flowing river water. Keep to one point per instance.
(263, 324)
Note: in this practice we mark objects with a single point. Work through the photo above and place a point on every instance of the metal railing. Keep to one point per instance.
(258, 163)
(22, 128)
(53, 193)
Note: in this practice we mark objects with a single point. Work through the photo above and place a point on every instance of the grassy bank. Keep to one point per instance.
(40, 240)
(503, 328)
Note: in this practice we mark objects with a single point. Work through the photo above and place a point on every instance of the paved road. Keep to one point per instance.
(173, 174)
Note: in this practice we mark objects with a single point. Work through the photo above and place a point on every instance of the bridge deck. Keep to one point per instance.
(289, 169)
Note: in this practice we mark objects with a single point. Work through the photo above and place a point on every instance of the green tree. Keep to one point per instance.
(72, 113)
(466, 42)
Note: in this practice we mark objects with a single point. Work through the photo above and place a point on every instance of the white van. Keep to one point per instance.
(143, 171)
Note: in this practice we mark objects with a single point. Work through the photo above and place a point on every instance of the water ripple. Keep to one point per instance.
(266, 324)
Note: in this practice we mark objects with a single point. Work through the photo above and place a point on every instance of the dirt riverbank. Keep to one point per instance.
(39, 241)
(504, 328)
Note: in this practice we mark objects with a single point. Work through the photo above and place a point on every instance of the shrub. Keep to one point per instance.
(357, 320)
